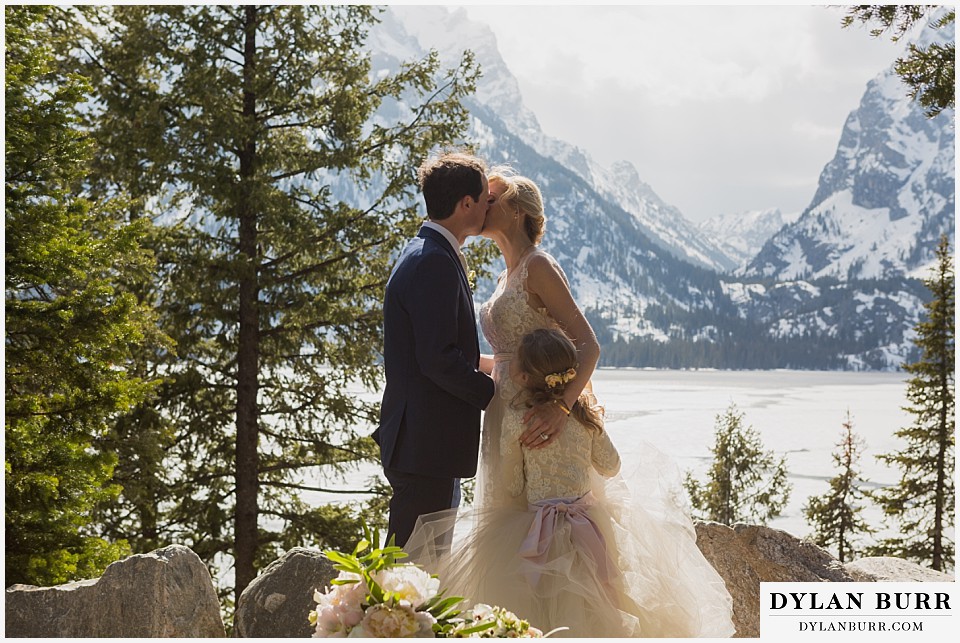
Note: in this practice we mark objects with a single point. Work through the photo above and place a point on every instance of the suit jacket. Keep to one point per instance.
(430, 414)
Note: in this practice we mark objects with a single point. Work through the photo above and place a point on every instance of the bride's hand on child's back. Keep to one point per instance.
(543, 422)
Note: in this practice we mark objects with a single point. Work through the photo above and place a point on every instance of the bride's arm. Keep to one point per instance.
(486, 364)
(547, 282)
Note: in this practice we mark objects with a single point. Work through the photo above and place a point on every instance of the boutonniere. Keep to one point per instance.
(472, 279)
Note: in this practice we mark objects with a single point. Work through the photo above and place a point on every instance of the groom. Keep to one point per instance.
(429, 433)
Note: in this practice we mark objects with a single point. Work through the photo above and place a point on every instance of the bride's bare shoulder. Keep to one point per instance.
(542, 267)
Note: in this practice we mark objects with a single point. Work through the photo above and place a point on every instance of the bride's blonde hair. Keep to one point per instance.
(549, 359)
(523, 194)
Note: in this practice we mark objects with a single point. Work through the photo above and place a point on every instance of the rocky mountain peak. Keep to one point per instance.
(884, 199)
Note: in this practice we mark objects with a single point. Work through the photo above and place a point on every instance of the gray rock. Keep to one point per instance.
(885, 569)
(166, 593)
(279, 600)
(746, 555)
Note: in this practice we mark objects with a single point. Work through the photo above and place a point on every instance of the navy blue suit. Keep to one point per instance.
(429, 433)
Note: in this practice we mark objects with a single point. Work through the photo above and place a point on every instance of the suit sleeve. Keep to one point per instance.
(435, 313)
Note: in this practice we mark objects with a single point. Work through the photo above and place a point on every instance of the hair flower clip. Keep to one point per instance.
(554, 380)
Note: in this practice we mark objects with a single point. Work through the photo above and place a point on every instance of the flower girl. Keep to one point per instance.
(581, 550)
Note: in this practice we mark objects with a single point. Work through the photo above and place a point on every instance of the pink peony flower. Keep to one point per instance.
(339, 608)
(383, 621)
(328, 622)
(425, 621)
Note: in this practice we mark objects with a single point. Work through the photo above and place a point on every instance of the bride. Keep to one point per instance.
(662, 586)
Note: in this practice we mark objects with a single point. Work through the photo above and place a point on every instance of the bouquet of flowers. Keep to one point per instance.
(375, 596)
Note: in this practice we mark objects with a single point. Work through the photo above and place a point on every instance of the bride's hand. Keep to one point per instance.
(543, 423)
(486, 364)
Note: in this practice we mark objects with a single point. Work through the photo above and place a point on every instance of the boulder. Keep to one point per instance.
(746, 555)
(279, 600)
(166, 593)
(885, 569)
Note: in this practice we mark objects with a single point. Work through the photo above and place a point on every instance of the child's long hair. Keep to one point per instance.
(549, 358)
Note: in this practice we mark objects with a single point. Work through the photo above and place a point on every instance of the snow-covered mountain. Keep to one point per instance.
(449, 31)
(885, 198)
(659, 291)
(741, 235)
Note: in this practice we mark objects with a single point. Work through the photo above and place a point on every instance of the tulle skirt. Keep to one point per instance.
(649, 579)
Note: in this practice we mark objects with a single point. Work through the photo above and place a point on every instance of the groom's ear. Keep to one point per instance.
(464, 204)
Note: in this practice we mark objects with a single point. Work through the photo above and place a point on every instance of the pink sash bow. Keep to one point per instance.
(584, 532)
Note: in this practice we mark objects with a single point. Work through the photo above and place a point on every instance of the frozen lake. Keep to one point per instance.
(799, 414)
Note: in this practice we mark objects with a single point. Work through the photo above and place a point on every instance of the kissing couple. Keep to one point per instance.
(555, 533)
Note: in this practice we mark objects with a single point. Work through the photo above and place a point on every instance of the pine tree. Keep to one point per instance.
(234, 126)
(70, 330)
(744, 483)
(930, 73)
(924, 499)
(835, 516)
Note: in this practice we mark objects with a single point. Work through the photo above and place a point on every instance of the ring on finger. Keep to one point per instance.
(544, 437)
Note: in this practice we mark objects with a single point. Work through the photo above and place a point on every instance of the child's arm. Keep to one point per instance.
(605, 458)
(511, 455)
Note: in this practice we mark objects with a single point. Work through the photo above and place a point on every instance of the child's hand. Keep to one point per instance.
(543, 422)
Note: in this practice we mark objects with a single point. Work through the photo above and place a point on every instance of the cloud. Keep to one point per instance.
(720, 108)
(675, 53)
(810, 129)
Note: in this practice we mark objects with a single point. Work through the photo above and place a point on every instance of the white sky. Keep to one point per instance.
(721, 108)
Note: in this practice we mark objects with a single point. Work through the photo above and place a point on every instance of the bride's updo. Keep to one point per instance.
(523, 194)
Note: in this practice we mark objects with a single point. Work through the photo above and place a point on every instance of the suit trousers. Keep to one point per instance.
(415, 495)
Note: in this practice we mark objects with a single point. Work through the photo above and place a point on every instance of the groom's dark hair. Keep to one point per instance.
(446, 179)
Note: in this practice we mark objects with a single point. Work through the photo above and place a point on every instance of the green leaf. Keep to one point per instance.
(442, 608)
(476, 628)
(361, 545)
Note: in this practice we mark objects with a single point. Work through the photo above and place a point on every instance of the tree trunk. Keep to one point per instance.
(942, 419)
(941, 489)
(247, 465)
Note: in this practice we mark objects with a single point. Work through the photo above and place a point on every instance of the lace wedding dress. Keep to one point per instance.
(504, 319)
(557, 535)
